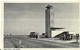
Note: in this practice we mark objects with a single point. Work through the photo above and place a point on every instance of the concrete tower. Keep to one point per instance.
(47, 21)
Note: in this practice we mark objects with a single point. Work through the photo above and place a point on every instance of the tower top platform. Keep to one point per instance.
(49, 6)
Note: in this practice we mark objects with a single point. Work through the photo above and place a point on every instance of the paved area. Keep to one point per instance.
(40, 43)
(57, 40)
(8, 44)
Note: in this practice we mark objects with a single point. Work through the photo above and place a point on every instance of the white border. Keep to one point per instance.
(28, 1)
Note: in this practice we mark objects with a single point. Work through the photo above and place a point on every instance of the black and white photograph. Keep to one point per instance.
(41, 25)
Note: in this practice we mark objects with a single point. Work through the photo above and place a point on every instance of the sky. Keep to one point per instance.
(23, 18)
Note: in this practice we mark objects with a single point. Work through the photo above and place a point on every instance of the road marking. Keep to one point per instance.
(20, 42)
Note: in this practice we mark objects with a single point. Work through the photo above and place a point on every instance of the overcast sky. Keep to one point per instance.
(23, 18)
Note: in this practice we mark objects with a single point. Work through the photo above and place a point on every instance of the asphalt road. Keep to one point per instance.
(36, 43)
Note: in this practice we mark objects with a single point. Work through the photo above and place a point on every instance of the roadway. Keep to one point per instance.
(36, 43)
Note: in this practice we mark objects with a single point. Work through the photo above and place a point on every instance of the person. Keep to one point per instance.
(77, 37)
(36, 36)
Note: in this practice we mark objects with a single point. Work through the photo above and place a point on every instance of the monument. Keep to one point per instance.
(48, 27)
(47, 21)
